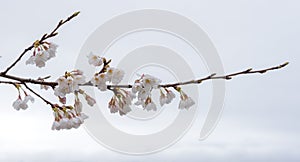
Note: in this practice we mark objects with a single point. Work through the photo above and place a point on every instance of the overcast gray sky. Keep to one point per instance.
(260, 121)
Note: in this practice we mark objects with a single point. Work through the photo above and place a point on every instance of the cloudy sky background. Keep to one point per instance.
(261, 113)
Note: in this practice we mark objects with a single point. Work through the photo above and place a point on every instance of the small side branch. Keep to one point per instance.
(44, 37)
(38, 95)
(9, 82)
(226, 77)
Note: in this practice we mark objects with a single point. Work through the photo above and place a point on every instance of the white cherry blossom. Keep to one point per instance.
(67, 119)
(170, 96)
(69, 83)
(150, 82)
(90, 101)
(149, 105)
(99, 80)
(162, 99)
(52, 50)
(42, 53)
(114, 75)
(186, 102)
(22, 104)
(117, 76)
(95, 60)
(121, 101)
(39, 59)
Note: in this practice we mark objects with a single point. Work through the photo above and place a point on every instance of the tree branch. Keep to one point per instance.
(198, 81)
(43, 38)
(9, 82)
(226, 77)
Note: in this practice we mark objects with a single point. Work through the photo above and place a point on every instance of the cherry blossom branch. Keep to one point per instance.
(71, 116)
(43, 38)
(198, 81)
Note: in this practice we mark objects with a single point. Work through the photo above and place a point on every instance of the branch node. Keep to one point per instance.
(283, 65)
(248, 70)
(228, 77)
(262, 71)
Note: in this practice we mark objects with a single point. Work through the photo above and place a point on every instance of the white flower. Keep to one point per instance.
(99, 80)
(59, 91)
(65, 123)
(162, 99)
(149, 105)
(52, 50)
(17, 104)
(42, 53)
(30, 60)
(78, 79)
(137, 86)
(55, 125)
(166, 98)
(113, 105)
(109, 73)
(64, 87)
(121, 101)
(69, 83)
(149, 82)
(41, 58)
(78, 106)
(22, 104)
(90, 100)
(117, 76)
(144, 86)
(143, 94)
(114, 75)
(82, 117)
(186, 102)
(95, 60)
(170, 96)
(139, 102)
(67, 119)
(28, 98)
(124, 110)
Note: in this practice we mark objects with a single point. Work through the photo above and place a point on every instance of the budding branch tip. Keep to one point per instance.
(76, 13)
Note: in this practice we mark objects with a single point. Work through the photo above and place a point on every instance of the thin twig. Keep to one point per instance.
(226, 77)
(26, 80)
(10, 82)
(43, 38)
(38, 95)
(105, 66)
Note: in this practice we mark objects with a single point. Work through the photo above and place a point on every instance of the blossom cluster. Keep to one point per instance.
(22, 104)
(69, 83)
(67, 118)
(19, 103)
(143, 87)
(107, 75)
(107, 78)
(42, 53)
(121, 101)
